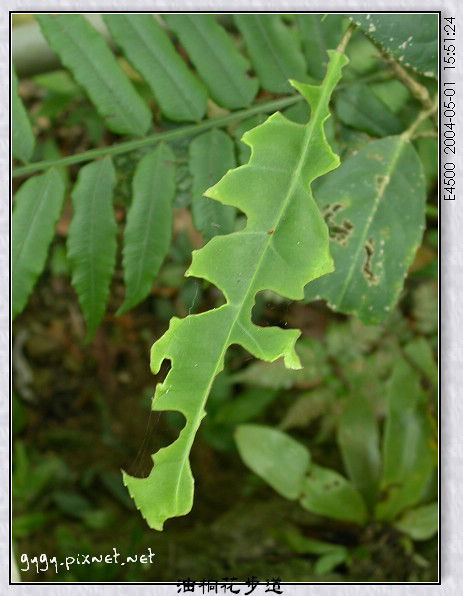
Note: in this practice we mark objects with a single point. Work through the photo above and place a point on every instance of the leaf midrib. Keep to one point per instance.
(370, 217)
(194, 424)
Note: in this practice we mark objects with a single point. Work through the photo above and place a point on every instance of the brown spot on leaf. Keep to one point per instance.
(339, 232)
(371, 278)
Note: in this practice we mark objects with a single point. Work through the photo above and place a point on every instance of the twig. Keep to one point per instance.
(409, 133)
(345, 40)
(418, 91)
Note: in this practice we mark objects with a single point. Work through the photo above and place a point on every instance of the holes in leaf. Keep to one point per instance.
(270, 309)
(162, 429)
(339, 232)
(371, 278)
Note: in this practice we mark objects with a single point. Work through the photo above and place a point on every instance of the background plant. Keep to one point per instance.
(182, 173)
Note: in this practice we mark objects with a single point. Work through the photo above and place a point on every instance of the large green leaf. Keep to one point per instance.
(148, 230)
(218, 62)
(37, 207)
(358, 107)
(22, 137)
(210, 156)
(358, 438)
(274, 52)
(374, 205)
(274, 456)
(91, 241)
(328, 493)
(284, 245)
(181, 97)
(84, 52)
(318, 33)
(411, 38)
(409, 449)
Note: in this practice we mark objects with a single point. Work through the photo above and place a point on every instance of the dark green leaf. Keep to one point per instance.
(210, 156)
(358, 438)
(37, 207)
(274, 456)
(410, 38)
(218, 62)
(22, 137)
(319, 33)
(374, 205)
(274, 52)
(326, 492)
(84, 52)
(148, 230)
(91, 241)
(359, 108)
(181, 97)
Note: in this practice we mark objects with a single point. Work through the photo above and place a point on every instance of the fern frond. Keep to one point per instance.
(181, 97)
(275, 54)
(22, 137)
(149, 223)
(218, 62)
(91, 240)
(37, 207)
(85, 53)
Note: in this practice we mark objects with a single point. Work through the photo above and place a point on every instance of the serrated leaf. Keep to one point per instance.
(408, 453)
(328, 493)
(91, 241)
(284, 227)
(218, 62)
(84, 52)
(274, 456)
(37, 207)
(22, 137)
(410, 38)
(318, 33)
(148, 230)
(358, 107)
(358, 439)
(420, 523)
(181, 97)
(210, 156)
(374, 205)
(274, 52)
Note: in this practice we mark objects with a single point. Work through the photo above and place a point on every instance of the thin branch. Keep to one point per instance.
(345, 40)
(178, 133)
(426, 113)
(417, 90)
